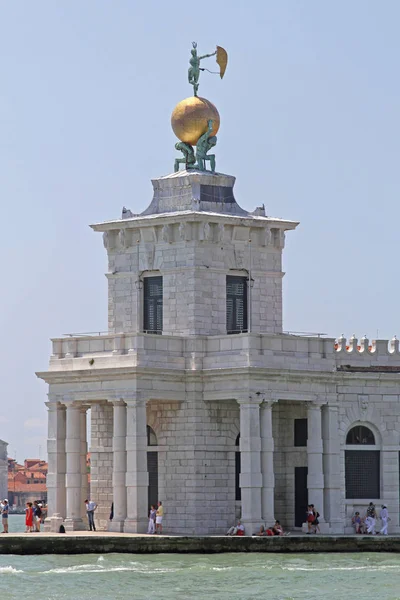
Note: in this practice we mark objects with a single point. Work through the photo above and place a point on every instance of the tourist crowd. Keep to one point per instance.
(367, 524)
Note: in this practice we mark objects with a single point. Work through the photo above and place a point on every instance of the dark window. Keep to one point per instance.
(151, 437)
(362, 474)
(153, 305)
(360, 435)
(300, 432)
(216, 193)
(236, 304)
(238, 491)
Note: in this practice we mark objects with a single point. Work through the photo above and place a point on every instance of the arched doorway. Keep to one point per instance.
(152, 466)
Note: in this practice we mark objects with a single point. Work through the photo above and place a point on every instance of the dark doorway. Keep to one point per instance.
(300, 495)
(152, 469)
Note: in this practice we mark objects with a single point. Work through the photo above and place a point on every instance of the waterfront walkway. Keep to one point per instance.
(100, 542)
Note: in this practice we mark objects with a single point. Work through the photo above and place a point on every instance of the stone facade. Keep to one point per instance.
(3, 470)
(197, 387)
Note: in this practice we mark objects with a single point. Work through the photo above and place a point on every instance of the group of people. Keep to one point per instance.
(35, 513)
(275, 529)
(367, 524)
(156, 518)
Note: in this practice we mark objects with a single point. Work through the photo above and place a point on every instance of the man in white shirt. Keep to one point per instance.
(384, 518)
(90, 508)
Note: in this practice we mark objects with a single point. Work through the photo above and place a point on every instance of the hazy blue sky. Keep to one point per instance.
(309, 125)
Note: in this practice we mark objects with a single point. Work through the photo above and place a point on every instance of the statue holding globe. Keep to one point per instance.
(195, 120)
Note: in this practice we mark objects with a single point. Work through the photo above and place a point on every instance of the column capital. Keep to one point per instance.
(250, 398)
(315, 404)
(55, 405)
(118, 402)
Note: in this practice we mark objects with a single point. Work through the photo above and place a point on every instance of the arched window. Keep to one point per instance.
(238, 491)
(362, 464)
(151, 437)
(360, 435)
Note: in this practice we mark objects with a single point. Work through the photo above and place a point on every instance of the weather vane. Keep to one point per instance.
(194, 69)
(195, 121)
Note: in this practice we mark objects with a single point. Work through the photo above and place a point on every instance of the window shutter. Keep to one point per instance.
(236, 304)
(153, 305)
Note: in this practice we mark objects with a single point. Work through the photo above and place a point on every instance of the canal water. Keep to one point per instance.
(199, 576)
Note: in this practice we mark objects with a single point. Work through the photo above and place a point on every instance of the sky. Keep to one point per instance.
(309, 126)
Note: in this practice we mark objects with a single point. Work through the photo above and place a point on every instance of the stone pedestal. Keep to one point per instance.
(52, 524)
(137, 479)
(250, 463)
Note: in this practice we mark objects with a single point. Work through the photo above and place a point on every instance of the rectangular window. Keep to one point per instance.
(236, 304)
(153, 305)
(300, 432)
(362, 469)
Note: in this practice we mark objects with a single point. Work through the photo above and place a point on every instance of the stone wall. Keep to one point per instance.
(196, 442)
(101, 461)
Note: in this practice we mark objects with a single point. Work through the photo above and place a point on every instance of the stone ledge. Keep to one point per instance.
(103, 543)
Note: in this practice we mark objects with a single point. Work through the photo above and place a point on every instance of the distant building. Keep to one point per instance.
(3, 470)
(27, 482)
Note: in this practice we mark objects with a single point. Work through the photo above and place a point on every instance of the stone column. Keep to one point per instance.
(331, 465)
(267, 464)
(137, 479)
(315, 479)
(84, 450)
(250, 463)
(73, 478)
(119, 467)
(56, 493)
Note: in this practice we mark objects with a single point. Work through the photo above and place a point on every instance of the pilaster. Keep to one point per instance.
(331, 465)
(137, 479)
(250, 461)
(315, 479)
(267, 464)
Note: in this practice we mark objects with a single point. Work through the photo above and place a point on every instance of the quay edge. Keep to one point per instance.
(105, 544)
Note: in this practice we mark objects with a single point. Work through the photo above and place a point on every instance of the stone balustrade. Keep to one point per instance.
(226, 351)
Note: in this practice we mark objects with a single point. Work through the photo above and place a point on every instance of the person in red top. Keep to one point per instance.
(29, 517)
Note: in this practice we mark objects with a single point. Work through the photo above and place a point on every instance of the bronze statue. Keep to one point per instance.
(188, 153)
(205, 143)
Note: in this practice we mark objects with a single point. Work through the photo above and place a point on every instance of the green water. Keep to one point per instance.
(180, 577)
(208, 577)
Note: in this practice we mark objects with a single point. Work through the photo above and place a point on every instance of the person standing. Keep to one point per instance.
(159, 517)
(384, 518)
(152, 520)
(5, 507)
(90, 508)
(370, 518)
(29, 517)
(37, 514)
